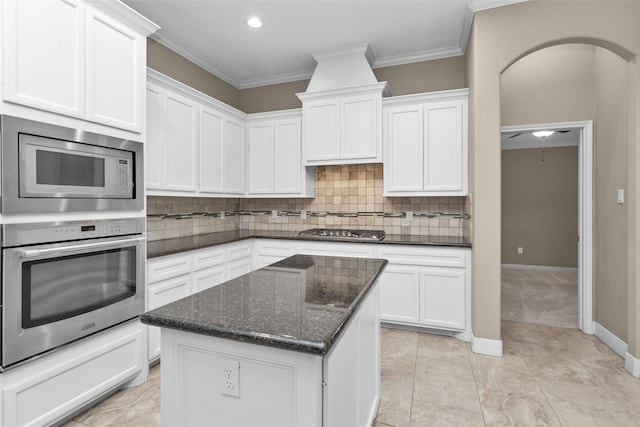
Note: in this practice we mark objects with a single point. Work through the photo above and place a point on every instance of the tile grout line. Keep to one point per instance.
(475, 383)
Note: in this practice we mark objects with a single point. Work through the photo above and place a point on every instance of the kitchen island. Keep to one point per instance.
(292, 344)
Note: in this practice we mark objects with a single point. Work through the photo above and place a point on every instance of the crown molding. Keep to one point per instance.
(426, 55)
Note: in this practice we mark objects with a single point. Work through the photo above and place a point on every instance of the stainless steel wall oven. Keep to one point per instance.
(62, 281)
(48, 168)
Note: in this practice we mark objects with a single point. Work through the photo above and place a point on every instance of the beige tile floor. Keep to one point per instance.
(540, 296)
(549, 376)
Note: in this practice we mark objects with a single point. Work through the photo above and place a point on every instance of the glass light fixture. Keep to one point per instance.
(254, 22)
(543, 133)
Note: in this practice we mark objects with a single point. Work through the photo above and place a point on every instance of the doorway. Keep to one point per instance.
(584, 139)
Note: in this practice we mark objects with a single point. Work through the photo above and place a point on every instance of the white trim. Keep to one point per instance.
(426, 55)
(632, 365)
(486, 346)
(611, 340)
(585, 212)
(538, 267)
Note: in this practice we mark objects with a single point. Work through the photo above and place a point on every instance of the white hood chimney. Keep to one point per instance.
(347, 68)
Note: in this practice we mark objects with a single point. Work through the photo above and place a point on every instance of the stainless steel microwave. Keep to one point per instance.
(49, 168)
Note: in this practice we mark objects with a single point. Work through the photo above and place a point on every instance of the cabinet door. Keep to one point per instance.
(443, 298)
(234, 157)
(44, 58)
(160, 294)
(400, 294)
(287, 158)
(321, 140)
(238, 268)
(180, 165)
(360, 130)
(211, 157)
(115, 72)
(260, 158)
(443, 155)
(404, 149)
(208, 278)
(154, 146)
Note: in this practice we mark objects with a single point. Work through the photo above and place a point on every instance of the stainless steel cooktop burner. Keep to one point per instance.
(344, 234)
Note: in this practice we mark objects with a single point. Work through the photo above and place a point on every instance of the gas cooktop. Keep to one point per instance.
(344, 234)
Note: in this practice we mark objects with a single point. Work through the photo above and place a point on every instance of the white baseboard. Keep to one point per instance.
(612, 341)
(632, 365)
(538, 267)
(486, 346)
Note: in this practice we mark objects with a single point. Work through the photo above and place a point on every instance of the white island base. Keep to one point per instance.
(275, 387)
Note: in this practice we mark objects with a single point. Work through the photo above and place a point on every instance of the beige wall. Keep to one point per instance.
(540, 206)
(611, 173)
(167, 62)
(425, 76)
(556, 84)
(273, 97)
(499, 37)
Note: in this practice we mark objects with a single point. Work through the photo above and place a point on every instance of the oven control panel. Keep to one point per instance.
(48, 232)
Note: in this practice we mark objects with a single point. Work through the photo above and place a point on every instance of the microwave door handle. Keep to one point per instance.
(60, 251)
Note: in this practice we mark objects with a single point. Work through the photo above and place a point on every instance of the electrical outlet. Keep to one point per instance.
(520, 251)
(303, 214)
(274, 214)
(221, 214)
(409, 215)
(230, 384)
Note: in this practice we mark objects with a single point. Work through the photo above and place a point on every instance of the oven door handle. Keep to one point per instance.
(83, 247)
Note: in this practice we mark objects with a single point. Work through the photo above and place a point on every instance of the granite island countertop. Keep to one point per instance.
(164, 247)
(301, 303)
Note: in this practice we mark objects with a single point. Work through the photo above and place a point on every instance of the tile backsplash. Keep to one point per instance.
(347, 196)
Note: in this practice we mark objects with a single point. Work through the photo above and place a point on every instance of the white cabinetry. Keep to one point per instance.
(195, 143)
(46, 390)
(426, 287)
(274, 157)
(69, 58)
(171, 148)
(269, 251)
(176, 276)
(342, 126)
(221, 153)
(425, 142)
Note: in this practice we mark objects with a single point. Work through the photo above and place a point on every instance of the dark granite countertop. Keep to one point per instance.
(158, 248)
(301, 303)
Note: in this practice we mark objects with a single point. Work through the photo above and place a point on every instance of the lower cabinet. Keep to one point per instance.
(424, 287)
(400, 294)
(177, 276)
(427, 287)
(48, 390)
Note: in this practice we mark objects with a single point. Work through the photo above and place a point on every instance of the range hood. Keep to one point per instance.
(344, 69)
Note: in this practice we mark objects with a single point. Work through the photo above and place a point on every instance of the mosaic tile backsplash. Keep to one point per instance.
(347, 196)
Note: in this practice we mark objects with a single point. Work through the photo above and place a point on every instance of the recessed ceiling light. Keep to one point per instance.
(543, 133)
(254, 22)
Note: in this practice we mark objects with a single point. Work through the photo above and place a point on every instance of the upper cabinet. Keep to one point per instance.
(425, 142)
(79, 60)
(342, 126)
(195, 144)
(221, 152)
(171, 149)
(274, 156)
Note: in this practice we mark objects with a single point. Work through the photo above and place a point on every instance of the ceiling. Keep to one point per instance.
(525, 139)
(214, 34)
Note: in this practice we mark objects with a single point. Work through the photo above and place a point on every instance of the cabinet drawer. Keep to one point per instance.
(355, 250)
(239, 250)
(206, 258)
(166, 267)
(275, 248)
(436, 257)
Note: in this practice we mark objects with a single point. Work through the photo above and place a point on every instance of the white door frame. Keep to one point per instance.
(585, 213)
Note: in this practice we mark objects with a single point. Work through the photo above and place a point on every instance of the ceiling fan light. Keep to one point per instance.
(543, 133)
